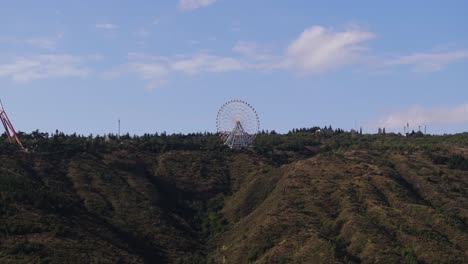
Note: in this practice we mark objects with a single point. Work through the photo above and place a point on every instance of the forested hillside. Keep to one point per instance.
(301, 197)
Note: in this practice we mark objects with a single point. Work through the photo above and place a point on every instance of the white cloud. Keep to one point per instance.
(245, 48)
(429, 62)
(319, 49)
(142, 33)
(157, 69)
(148, 70)
(418, 115)
(136, 56)
(25, 69)
(316, 50)
(202, 62)
(193, 42)
(188, 5)
(106, 26)
(250, 50)
(45, 42)
(154, 73)
(152, 69)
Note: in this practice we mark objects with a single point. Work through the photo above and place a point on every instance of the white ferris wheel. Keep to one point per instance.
(237, 124)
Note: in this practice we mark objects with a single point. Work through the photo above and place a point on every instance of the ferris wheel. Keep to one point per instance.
(237, 124)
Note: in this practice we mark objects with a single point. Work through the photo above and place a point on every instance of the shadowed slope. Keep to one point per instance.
(296, 198)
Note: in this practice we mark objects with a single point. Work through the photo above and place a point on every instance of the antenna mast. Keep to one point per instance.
(9, 129)
(118, 135)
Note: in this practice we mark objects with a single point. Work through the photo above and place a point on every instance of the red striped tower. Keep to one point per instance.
(9, 129)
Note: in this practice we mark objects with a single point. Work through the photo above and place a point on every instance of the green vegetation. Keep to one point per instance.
(302, 197)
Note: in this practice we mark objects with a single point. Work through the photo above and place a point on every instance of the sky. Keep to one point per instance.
(79, 66)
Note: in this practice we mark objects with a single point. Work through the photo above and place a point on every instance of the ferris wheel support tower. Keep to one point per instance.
(9, 129)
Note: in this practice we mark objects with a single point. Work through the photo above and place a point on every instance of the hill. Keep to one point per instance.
(301, 197)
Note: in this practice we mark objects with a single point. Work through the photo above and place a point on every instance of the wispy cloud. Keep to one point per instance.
(316, 50)
(106, 26)
(430, 61)
(419, 115)
(25, 69)
(193, 42)
(188, 5)
(319, 49)
(155, 74)
(251, 50)
(43, 43)
(49, 43)
(201, 62)
(142, 33)
(155, 70)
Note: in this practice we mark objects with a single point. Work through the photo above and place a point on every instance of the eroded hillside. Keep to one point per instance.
(295, 198)
(353, 207)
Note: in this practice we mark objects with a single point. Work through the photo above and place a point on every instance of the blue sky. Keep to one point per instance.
(169, 65)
